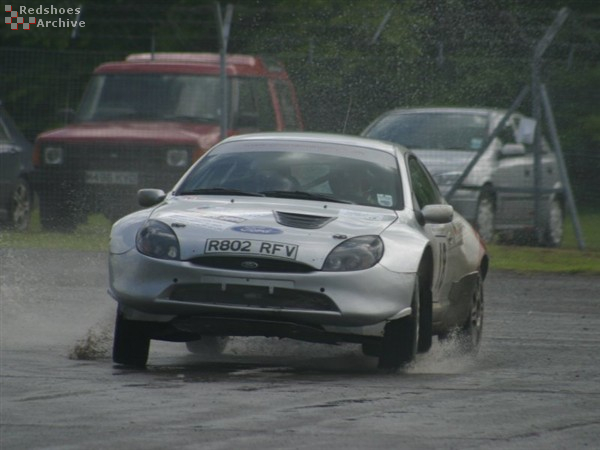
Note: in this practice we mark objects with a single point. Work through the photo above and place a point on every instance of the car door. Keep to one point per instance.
(513, 181)
(426, 193)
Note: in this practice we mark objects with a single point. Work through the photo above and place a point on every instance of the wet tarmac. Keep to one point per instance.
(533, 385)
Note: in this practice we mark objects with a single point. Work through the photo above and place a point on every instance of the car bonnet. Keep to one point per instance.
(441, 161)
(302, 231)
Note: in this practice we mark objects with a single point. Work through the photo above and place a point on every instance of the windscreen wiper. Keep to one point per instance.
(301, 195)
(220, 191)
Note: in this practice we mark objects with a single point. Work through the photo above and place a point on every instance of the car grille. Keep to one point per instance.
(302, 220)
(252, 264)
(148, 161)
(253, 296)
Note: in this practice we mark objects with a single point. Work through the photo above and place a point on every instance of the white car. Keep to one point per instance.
(317, 237)
(497, 196)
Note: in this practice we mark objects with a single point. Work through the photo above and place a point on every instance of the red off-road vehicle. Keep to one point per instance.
(143, 121)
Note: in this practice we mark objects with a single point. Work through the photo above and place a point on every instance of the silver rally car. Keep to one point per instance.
(317, 237)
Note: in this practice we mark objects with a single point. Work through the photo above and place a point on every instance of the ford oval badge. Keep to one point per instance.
(256, 229)
(249, 265)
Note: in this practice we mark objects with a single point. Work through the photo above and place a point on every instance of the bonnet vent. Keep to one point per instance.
(302, 220)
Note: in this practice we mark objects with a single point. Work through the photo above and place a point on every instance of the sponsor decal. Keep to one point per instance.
(385, 200)
(256, 229)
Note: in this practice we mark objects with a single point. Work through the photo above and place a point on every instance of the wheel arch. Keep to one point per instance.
(484, 266)
(425, 269)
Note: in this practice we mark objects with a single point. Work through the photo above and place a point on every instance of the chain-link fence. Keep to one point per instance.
(344, 91)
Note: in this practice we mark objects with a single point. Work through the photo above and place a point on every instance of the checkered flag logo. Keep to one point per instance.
(14, 20)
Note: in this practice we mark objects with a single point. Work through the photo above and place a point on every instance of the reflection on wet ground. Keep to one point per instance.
(266, 359)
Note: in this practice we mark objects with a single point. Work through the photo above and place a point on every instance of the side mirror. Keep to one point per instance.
(438, 213)
(512, 150)
(150, 197)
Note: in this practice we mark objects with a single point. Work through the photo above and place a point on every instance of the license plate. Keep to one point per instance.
(110, 177)
(251, 247)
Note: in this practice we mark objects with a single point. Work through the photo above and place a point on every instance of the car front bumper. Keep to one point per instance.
(358, 303)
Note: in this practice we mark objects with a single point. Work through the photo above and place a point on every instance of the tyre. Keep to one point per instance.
(131, 343)
(553, 232)
(400, 338)
(20, 206)
(425, 312)
(486, 217)
(57, 217)
(208, 345)
(469, 335)
(371, 349)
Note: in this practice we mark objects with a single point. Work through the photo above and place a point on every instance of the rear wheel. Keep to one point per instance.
(57, 216)
(131, 343)
(553, 232)
(400, 338)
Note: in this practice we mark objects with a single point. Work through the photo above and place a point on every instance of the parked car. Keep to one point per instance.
(491, 197)
(143, 121)
(316, 237)
(16, 195)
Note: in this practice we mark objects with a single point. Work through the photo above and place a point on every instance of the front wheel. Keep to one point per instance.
(401, 337)
(469, 335)
(131, 343)
(21, 205)
(486, 217)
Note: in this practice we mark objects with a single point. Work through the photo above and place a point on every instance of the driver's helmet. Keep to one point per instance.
(353, 183)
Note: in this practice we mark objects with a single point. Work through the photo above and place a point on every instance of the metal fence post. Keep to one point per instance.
(224, 28)
(561, 166)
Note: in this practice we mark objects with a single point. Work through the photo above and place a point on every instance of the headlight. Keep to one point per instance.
(357, 253)
(177, 157)
(53, 155)
(157, 240)
(446, 178)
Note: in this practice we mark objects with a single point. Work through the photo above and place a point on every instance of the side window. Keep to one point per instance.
(286, 103)
(426, 192)
(255, 107)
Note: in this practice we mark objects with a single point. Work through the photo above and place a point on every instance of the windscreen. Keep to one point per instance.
(306, 171)
(151, 97)
(439, 131)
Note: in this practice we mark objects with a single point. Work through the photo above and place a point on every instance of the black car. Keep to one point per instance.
(16, 195)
